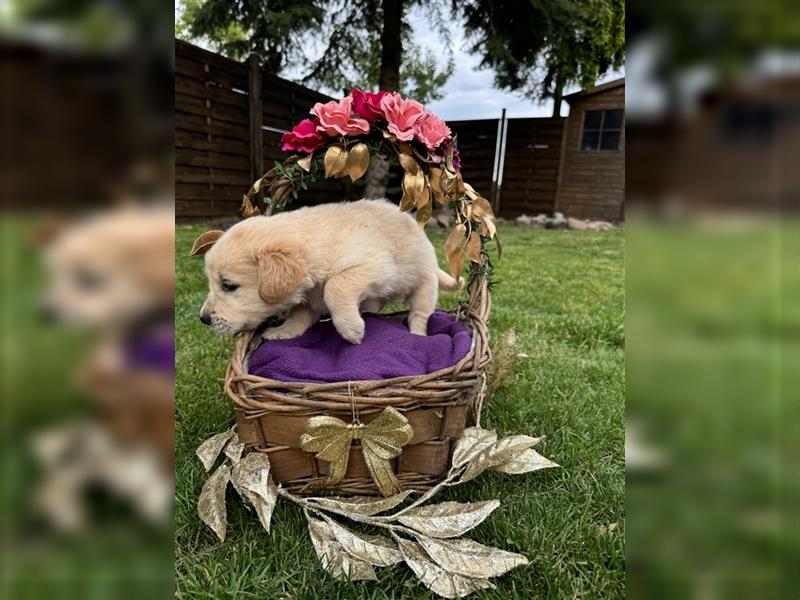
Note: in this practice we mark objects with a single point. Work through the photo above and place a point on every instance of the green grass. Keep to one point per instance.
(563, 292)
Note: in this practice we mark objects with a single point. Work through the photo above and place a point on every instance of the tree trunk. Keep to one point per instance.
(558, 94)
(377, 175)
(391, 45)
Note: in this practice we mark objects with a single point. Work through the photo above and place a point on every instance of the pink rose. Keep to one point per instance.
(401, 115)
(303, 138)
(431, 131)
(368, 104)
(336, 118)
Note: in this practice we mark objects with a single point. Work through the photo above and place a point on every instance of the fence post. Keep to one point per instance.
(256, 118)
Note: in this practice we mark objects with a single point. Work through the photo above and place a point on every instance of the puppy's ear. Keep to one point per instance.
(205, 241)
(280, 271)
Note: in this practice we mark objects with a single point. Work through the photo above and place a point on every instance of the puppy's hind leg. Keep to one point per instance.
(342, 297)
(422, 303)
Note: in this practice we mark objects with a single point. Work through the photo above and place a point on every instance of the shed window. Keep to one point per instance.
(601, 129)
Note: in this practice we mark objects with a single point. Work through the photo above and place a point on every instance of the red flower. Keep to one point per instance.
(368, 104)
(303, 138)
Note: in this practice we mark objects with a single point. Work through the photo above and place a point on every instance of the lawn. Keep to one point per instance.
(563, 291)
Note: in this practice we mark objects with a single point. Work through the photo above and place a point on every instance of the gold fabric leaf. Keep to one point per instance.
(203, 243)
(488, 228)
(424, 214)
(406, 202)
(469, 558)
(209, 450)
(470, 191)
(305, 162)
(410, 165)
(211, 504)
(375, 549)
(473, 248)
(498, 453)
(455, 262)
(362, 505)
(453, 251)
(434, 577)
(435, 179)
(335, 161)
(333, 557)
(447, 519)
(251, 479)
(424, 198)
(357, 161)
(414, 186)
(381, 440)
(248, 209)
(505, 357)
(473, 441)
(481, 208)
(528, 461)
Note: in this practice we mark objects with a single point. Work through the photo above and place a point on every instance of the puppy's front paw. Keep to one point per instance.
(351, 330)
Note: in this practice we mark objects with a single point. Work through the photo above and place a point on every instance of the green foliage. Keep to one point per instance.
(347, 33)
(538, 47)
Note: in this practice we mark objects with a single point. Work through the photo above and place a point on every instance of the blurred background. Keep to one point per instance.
(712, 191)
(87, 295)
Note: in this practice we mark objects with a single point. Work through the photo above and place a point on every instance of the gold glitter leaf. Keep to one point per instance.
(333, 557)
(209, 450)
(481, 208)
(233, 449)
(251, 479)
(465, 557)
(335, 161)
(448, 519)
(375, 549)
(505, 357)
(498, 453)
(211, 504)
(489, 229)
(357, 161)
(434, 577)
(473, 441)
(528, 461)
(362, 505)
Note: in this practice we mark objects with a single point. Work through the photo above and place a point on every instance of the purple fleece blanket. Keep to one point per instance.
(389, 350)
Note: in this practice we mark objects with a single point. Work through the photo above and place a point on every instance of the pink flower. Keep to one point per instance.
(401, 115)
(303, 138)
(336, 118)
(368, 104)
(431, 131)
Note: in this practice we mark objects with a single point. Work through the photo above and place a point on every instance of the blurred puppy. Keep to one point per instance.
(112, 270)
(332, 259)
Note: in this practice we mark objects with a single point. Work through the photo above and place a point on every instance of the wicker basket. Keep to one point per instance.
(271, 415)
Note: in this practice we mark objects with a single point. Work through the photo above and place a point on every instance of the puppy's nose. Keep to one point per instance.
(205, 318)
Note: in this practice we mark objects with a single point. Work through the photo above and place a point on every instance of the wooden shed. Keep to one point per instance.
(592, 169)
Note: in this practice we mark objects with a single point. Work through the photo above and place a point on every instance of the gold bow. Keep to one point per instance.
(381, 440)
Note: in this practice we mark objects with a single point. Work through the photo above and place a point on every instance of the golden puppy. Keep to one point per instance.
(112, 270)
(332, 259)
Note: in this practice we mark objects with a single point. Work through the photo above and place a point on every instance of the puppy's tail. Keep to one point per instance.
(450, 283)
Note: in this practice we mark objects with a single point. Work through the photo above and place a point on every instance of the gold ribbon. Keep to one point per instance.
(383, 439)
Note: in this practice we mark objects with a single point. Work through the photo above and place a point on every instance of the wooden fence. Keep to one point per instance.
(229, 117)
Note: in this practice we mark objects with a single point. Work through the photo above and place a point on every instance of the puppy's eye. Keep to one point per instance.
(229, 286)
